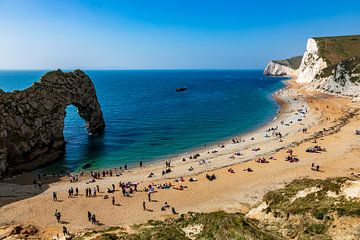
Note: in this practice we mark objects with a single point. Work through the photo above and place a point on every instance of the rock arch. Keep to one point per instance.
(32, 120)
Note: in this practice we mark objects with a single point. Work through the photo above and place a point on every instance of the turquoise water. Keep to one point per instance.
(146, 119)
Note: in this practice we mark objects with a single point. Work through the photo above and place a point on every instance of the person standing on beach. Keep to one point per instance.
(123, 190)
(149, 196)
(144, 205)
(54, 196)
(89, 216)
(141, 163)
(113, 200)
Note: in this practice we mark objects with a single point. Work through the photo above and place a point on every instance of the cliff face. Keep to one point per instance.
(276, 69)
(342, 78)
(312, 63)
(331, 64)
(286, 67)
(32, 120)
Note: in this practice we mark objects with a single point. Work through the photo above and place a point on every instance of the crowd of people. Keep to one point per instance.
(129, 188)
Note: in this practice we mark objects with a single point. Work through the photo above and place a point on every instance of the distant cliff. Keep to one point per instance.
(287, 67)
(329, 64)
(32, 120)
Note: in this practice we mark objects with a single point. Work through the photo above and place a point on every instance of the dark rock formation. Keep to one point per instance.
(181, 89)
(32, 120)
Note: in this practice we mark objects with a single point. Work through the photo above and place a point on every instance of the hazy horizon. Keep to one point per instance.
(163, 35)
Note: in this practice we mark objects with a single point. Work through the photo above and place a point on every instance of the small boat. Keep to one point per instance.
(181, 89)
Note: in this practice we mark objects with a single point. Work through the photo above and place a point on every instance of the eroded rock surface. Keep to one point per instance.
(32, 120)
(287, 67)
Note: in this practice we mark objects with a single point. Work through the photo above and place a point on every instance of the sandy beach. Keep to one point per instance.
(329, 120)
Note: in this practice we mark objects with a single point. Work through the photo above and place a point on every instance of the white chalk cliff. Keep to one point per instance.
(276, 69)
(329, 64)
(287, 67)
(322, 74)
(311, 64)
(343, 79)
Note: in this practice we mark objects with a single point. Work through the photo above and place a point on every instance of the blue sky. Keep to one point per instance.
(164, 34)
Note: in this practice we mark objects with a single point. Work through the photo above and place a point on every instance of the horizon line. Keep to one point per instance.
(130, 69)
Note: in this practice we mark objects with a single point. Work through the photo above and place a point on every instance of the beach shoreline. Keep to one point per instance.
(282, 106)
(329, 120)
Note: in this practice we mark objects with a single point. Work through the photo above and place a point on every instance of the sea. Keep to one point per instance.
(148, 120)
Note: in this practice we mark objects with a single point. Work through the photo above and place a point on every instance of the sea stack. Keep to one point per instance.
(32, 120)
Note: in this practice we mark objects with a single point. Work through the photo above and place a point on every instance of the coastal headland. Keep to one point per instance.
(295, 177)
(328, 120)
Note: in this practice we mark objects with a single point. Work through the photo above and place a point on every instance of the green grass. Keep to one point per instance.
(216, 225)
(345, 49)
(316, 210)
(338, 48)
(293, 62)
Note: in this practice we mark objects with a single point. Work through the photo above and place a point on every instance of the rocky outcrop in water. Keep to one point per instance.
(32, 120)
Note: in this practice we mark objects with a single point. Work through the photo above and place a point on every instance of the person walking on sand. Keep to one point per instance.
(144, 205)
(57, 216)
(113, 200)
(93, 219)
(89, 216)
(149, 196)
(65, 231)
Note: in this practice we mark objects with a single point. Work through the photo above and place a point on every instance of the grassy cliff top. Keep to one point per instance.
(293, 62)
(338, 48)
